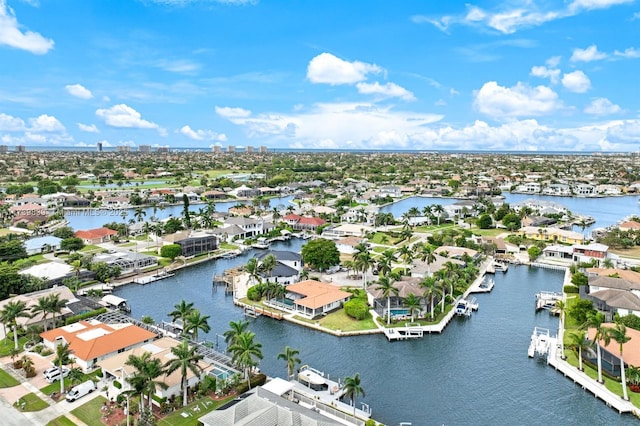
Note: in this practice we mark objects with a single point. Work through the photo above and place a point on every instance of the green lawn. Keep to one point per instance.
(31, 403)
(7, 380)
(205, 405)
(339, 320)
(6, 345)
(90, 412)
(61, 421)
(493, 232)
(90, 248)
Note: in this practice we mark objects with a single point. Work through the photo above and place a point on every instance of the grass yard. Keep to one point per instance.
(493, 232)
(339, 320)
(90, 248)
(90, 412)
(633, 252)
(188, 416)
(31, 402)
(7, 380)
(7, 344)
(61, 421)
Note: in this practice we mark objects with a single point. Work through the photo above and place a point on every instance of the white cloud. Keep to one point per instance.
(230, 112)
(79, 91)
(541, 71)
(595, 4)
(509, 19)
(203, 135)
(329, 69)
(11, 124)
(89, 128)
(520, 100)
(11, 34)
(45, 123)
(388, 90)
(630, 53)
(576, 81)
(553, 61)
(123, 116)
(349, 125)
(602, 106)
(589, 54)
(178, 66)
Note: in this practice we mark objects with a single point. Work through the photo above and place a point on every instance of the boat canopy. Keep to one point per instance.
(116, 301)
(311, 377)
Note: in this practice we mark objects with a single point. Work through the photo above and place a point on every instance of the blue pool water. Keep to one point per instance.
(399, 311)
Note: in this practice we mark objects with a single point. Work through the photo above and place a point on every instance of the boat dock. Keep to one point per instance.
(256, 311)
(152, 278)
(599, 390)
(409, 331)
(547, 300)
(540, 342)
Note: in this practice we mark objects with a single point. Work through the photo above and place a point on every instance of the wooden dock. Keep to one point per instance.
(599, 390)
(256, 311)
(403, 333)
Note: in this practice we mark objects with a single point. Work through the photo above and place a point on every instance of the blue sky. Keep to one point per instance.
(556, 75)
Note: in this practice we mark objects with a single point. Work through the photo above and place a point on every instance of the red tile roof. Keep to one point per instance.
(89, 340)
(317, 294)
(92, 234)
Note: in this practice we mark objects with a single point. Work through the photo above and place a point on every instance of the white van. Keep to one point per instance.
(52, 374)
(81, 390)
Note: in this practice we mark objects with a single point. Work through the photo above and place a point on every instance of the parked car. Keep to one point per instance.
(81, 390)
(54, 373)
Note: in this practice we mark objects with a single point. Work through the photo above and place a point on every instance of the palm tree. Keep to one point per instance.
(139, 214)
(439, 210)
(181, 311)
(235, 329)
(385, 263)
(619, 334)
(413, 303)
(427, 254)
(253, 269)
(430, 292)
(42, 306)
(196, 321)
(595, 321)
(10, 314)
(185, 359)
(363, 261)
(577, 341)
(352, 389)
(245, 353)
(561, 308)
(385, 284)
(148, 369)
(63, 357)
(290, 357)
(267, 264)
(407, 255)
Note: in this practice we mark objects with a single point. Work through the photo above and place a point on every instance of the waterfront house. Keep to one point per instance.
(93, 341)
(287, 268)
(96, 236)
(555, 235)
(346, 230)
(214, 195)
(629, 225)
(347, 245)
(610, 353)
(405, 287)
(584, 190)
(115, 366)
(615, 293)
(558, 253)
(31, 300)
(44, 244)
(52, 272)
(313, 298)
(590, 252)
(303, 223)
(127, 261)
(28, 214)
(193, 243)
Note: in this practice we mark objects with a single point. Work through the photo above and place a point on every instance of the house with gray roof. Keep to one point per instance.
(44, 244)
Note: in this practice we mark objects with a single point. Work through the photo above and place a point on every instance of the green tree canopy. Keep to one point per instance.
(171, 251)
(321, 254)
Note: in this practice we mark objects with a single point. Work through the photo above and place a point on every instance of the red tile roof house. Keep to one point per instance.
(96, 236)
(303, 223)
(313, 298)
(93, 341)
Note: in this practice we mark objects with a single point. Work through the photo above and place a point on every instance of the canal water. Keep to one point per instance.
(475, 373)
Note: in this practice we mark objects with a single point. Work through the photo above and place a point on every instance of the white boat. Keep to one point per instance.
(540, 342)
(500, 266)
(261, 243)
(463, 308)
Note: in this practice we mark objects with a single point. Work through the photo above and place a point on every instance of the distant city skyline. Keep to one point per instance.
(556, 75)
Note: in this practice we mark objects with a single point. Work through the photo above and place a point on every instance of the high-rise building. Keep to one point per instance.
(231, 149)
(99, 146)
(21, 148)
(145, 149)
(162, 149)
(4, 149)
(249, 150)
(123, 148)
(216, 149)
(263, 150)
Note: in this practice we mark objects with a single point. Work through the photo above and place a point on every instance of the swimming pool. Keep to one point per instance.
(399, 312)
(221, 372)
